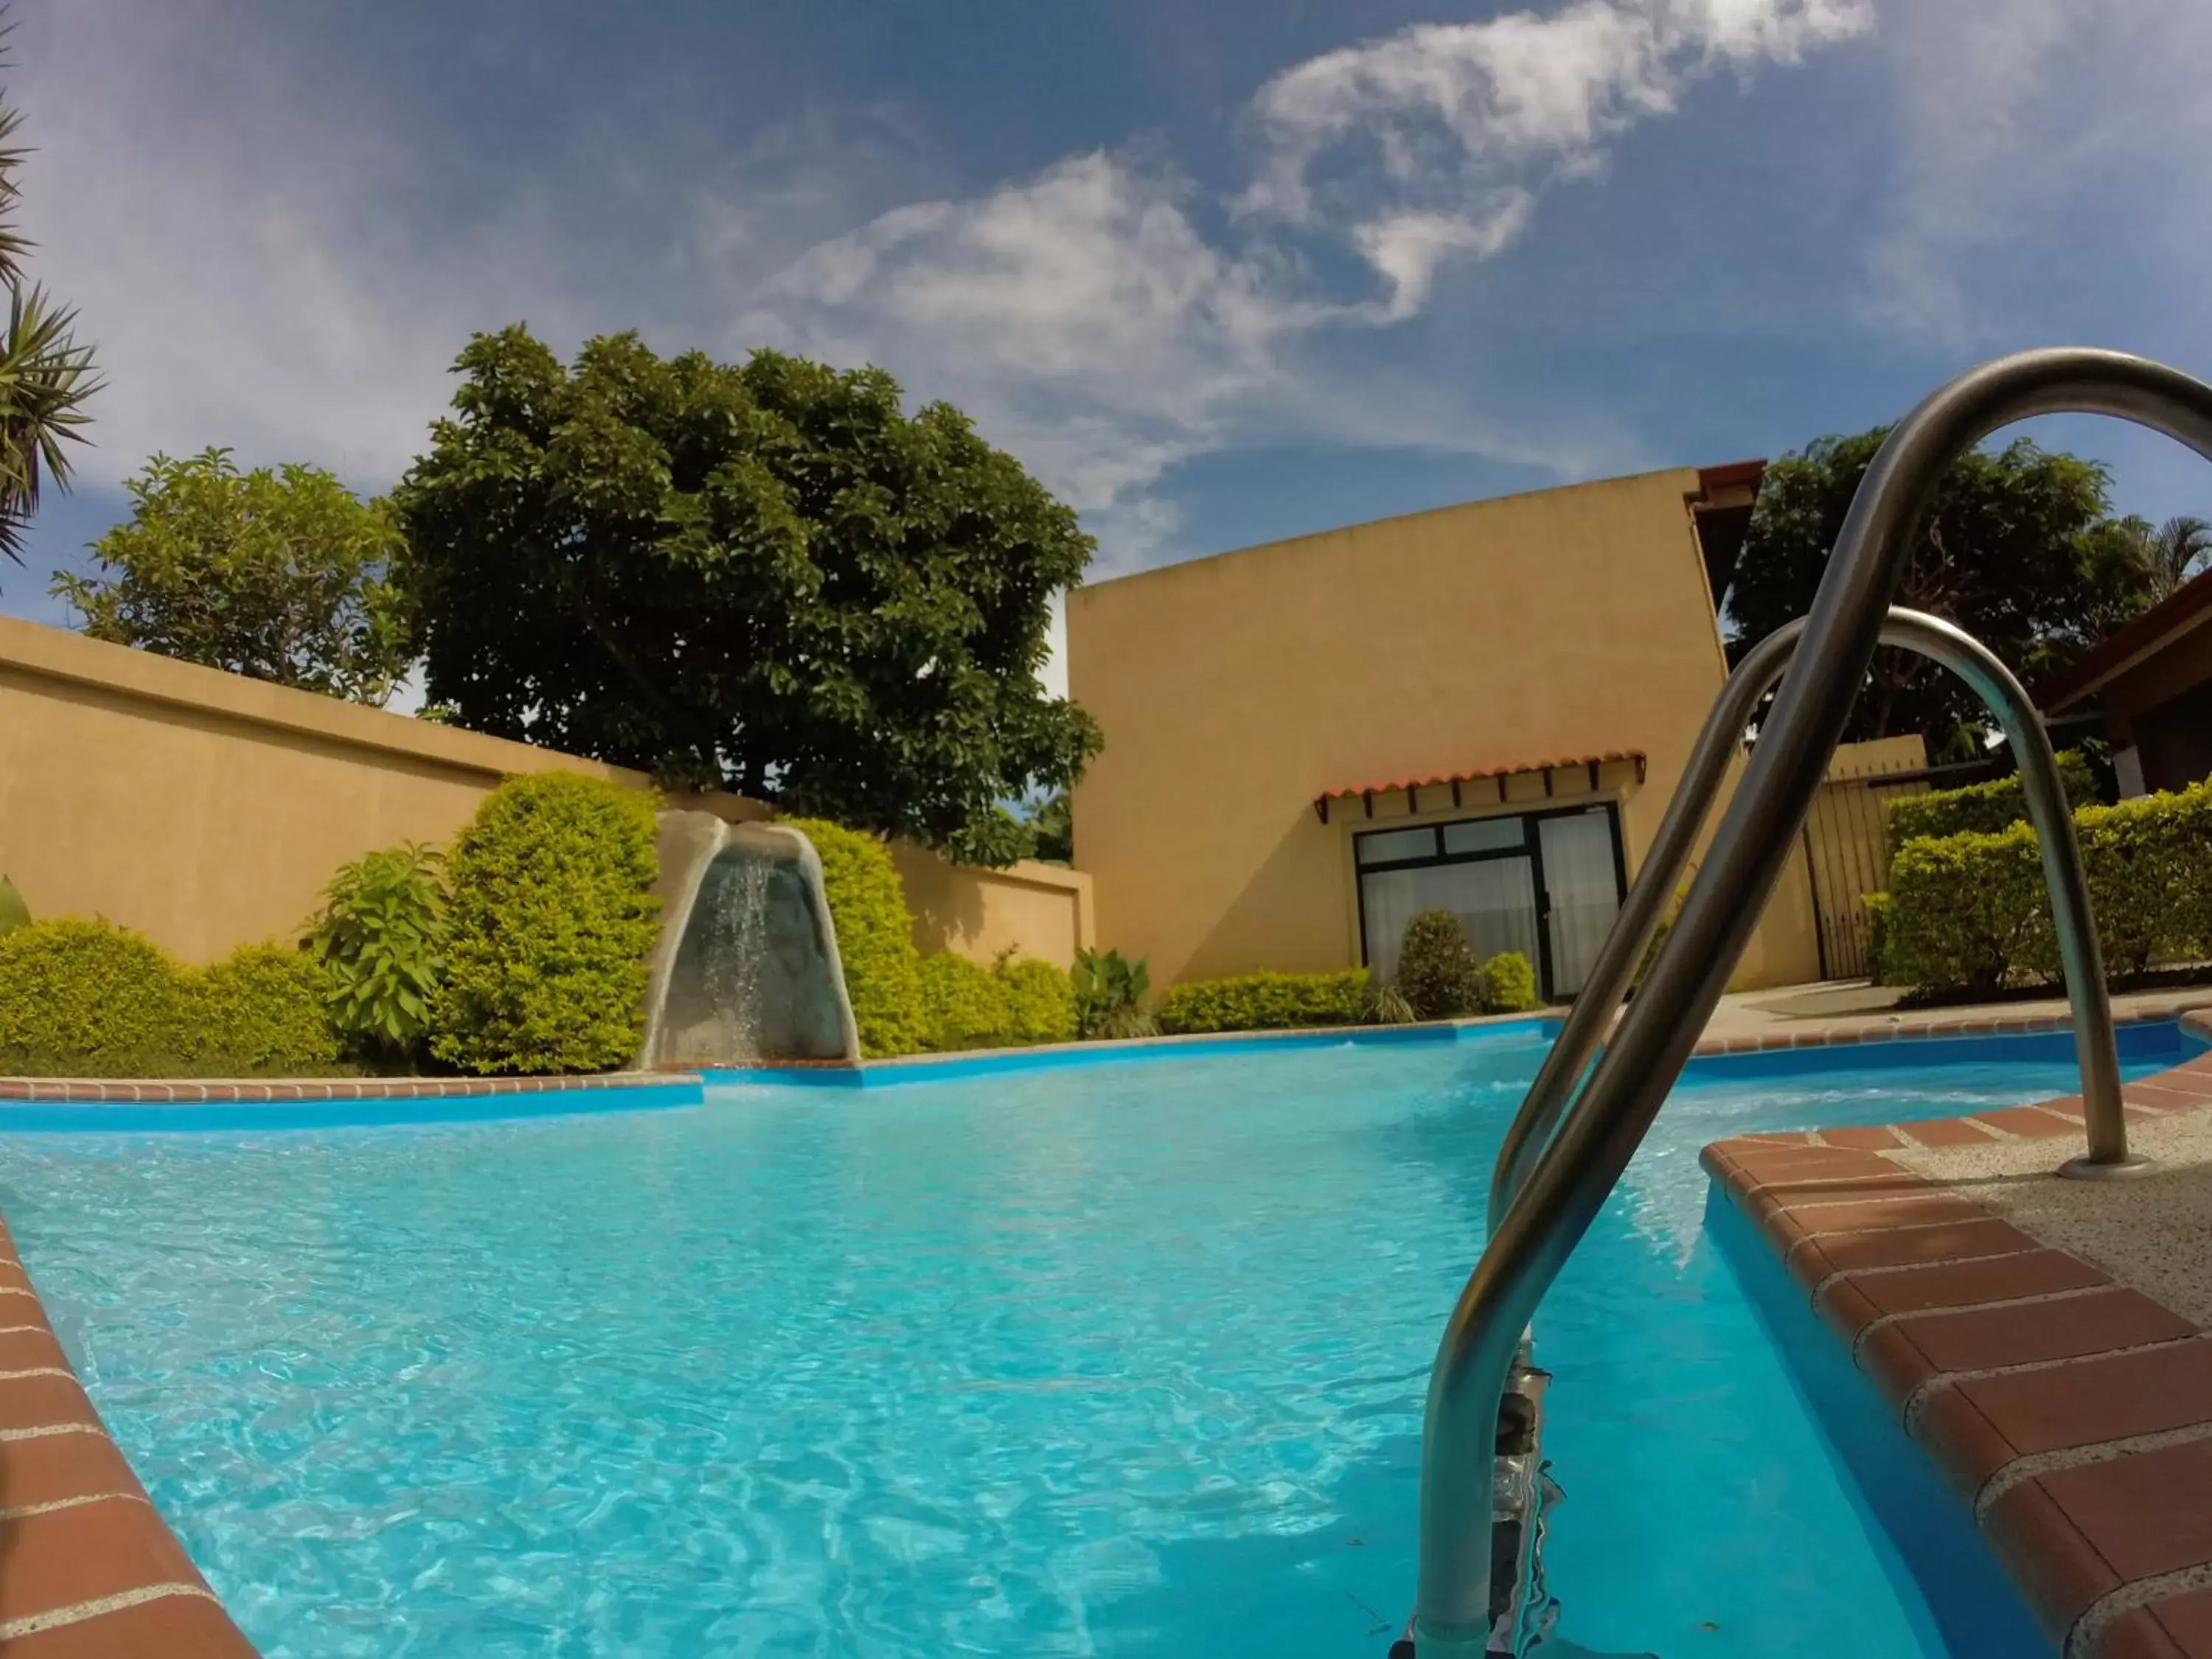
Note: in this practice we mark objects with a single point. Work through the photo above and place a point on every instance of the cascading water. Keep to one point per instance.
(748, 970)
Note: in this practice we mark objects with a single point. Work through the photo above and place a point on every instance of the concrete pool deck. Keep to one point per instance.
(2047, 1343)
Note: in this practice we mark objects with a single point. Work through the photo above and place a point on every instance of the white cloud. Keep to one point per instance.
(1093, 326)
(1451, 126)
(1080, 315)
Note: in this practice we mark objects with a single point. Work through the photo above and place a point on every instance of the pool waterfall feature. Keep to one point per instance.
(747, 968)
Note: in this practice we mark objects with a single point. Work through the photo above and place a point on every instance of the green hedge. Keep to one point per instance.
(1040, 1001)
(88, 999)
(875, 938)
(1971, 912)
(1985, 809)
(1007, 1005)
(1508, 984)
(263, 1010)
(551, 923)
(963, 1006)
(1266, 1002)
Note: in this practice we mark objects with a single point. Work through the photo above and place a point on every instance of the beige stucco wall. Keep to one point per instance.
(1039, 910)
(208, 810)
(1232, 690)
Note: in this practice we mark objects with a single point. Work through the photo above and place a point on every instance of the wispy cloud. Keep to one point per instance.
(1091, 321)
(282, 260)
(2022, 123)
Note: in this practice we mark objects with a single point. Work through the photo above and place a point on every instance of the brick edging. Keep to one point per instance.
(92, 1567)
(274, 1089)
(2072, 1413)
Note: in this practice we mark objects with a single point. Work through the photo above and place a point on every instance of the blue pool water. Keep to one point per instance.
(1119, 1360)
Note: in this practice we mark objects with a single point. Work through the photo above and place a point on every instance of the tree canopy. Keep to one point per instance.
(45, 376)
(282, 576)
(765, 577)
(2018, 548)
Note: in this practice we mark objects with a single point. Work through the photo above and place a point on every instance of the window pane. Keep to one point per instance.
(1495, 901)
(1584, 889)
(1483, 836)
(1392, 845)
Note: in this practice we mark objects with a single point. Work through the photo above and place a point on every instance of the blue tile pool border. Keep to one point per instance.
(934, 1068)
(30, 1105)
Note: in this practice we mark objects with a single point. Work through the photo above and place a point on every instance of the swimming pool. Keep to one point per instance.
(1123, 1360)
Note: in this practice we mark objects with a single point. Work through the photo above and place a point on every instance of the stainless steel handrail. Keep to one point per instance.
(1717, 744)
(1639, 1064)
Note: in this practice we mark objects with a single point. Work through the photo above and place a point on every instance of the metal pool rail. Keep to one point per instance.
(1568, 1179)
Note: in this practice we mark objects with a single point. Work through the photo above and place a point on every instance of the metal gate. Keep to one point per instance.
(1846, 841)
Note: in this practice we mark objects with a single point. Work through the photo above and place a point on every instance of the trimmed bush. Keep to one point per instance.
(1971, 912)
(1040, 1001)
(551, 921)
(1508, 984)
(87, 999)
(963, 1003)
(1268, 1002)
(1985, 809)
(1437, 969)
(875, 938)
(260, 1011)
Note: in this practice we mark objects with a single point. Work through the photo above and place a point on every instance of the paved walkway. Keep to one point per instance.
(1846, 1005)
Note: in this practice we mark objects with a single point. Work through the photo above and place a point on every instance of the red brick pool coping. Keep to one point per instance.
(88, 1568)
(2072, 1413)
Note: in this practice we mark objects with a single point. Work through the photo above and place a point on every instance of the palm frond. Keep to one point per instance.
(46, 380)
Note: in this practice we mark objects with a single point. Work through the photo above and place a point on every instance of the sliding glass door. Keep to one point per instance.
(1546, 885)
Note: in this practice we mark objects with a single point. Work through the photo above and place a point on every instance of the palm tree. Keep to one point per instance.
(2167, 556)
(45, 376)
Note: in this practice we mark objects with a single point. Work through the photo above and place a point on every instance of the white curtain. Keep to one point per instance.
(1495, 901)
(1585, 893)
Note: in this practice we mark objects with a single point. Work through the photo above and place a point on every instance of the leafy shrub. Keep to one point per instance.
(87, 999)
(1266, 1002)
(1113, 995)
(1971, 912)
(13, 913)
(1437, 969)
(1040, 1001)
(1387, 1006)
(550, 926)
(260, 1011)
(875, 938)
(1508, 984)
(1985, 809)
(1877, 915)
(380, 940)
(965, 1004)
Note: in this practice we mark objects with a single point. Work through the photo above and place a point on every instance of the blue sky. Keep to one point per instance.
(1218, 272)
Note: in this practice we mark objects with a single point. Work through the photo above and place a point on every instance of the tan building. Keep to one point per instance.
(1485, 708)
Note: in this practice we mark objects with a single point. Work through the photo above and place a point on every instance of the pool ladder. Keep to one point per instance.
(1566, 1149)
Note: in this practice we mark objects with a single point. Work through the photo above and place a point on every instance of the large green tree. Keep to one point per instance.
(764, 577)
(45, 376)
(2018, 548)
(282, 575)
